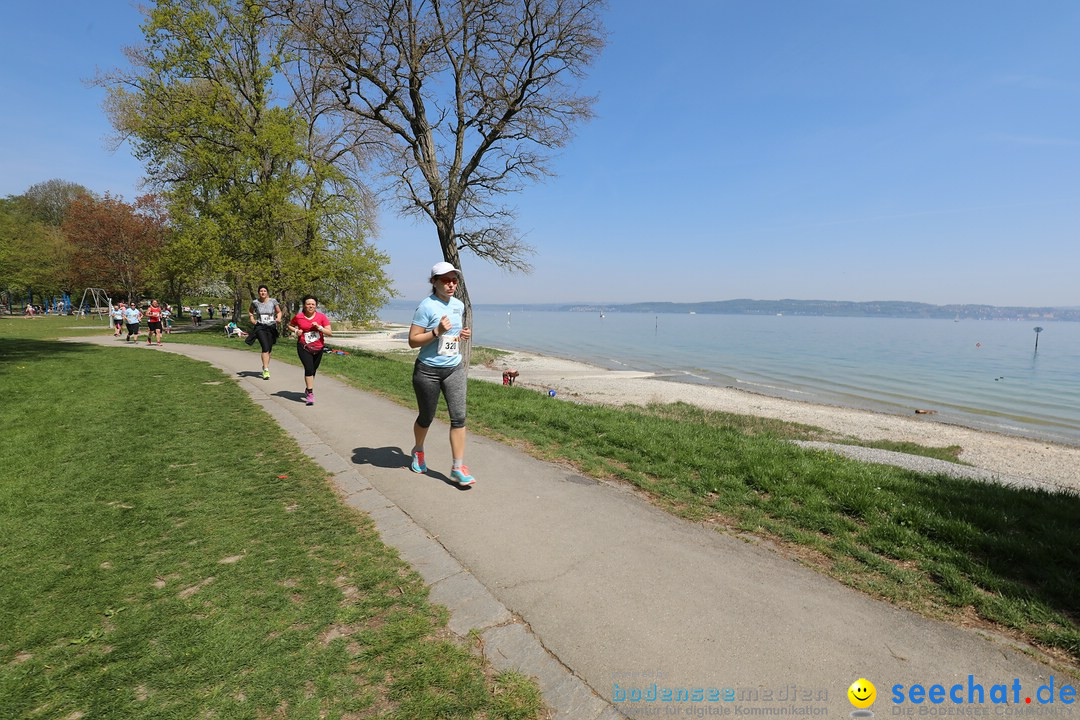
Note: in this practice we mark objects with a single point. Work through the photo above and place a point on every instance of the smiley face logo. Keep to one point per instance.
(862, 693)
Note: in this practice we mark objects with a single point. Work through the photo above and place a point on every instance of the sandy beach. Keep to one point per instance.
(1015, 457)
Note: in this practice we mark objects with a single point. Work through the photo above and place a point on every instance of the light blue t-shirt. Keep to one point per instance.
(428, 314)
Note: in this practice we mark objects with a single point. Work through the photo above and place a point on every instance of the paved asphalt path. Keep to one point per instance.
(601, 594)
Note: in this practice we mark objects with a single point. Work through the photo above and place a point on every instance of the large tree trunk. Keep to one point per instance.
(236, 305)
(462, 294)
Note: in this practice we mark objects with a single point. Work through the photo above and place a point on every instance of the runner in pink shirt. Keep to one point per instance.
(310, 328)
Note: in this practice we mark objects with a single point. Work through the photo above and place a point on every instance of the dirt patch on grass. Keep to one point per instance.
(162, 580)
(188, 592)
(334, 632)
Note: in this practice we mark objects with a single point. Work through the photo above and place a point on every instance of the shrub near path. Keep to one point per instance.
(169, 553)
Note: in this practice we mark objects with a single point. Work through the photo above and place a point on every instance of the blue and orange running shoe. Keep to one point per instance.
(461, 476)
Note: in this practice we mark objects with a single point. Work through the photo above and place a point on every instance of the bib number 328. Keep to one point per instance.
(448, 344)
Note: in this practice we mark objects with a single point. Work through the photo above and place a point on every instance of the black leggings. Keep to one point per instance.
(310, 359)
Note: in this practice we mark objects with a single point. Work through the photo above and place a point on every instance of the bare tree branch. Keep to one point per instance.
(465, 100)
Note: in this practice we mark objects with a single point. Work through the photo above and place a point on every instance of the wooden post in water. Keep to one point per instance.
(1037, 331)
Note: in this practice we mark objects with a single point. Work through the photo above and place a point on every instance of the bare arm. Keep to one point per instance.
(421, 336)
(324, 329)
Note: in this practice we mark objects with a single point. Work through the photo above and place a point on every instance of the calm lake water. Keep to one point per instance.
(982, 374)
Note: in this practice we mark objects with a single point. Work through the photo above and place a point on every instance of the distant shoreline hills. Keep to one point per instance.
(828, 308)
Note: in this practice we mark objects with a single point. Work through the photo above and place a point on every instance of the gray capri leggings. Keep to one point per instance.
(427, 381)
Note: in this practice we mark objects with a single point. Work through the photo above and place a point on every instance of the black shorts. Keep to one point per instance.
(133, 328)
(267, 335)
(152, 326)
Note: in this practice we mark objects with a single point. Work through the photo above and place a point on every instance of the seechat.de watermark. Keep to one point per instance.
(649, 693)
(975, 698)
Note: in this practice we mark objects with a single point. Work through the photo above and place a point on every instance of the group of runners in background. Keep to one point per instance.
(128, 318)
(437, 329)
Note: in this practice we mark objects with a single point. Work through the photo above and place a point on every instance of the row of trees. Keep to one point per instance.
(269, 127)
(57, 237)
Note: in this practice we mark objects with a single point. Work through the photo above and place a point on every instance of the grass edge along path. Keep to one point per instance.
(170, 553)
(969, 552)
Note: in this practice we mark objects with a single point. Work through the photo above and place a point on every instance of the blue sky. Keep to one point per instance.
(813, 149)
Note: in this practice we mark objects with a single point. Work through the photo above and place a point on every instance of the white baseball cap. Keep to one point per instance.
(442, 268)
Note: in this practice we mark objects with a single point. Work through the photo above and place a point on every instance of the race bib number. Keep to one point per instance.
(448, 345)
(266, 319)
(311, 336)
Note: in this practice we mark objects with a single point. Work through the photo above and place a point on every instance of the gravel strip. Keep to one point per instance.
(931, 466)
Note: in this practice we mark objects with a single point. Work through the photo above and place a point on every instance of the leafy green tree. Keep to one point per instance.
(48, 201)
(34, 256)
(250, 199)
(16, 231)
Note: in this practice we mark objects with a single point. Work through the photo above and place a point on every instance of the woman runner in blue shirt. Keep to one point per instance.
(437, 329)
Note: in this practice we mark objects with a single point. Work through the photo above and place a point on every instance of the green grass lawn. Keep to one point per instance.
(168, 552)
(944, 547)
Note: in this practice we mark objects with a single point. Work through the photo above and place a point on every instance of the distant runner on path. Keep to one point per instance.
(437, 329)
(265, 314)
(310, 327)
(117, 315)
(153, 322)
(132, 315)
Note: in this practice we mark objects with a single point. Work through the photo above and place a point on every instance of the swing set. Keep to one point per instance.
(100, 303)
